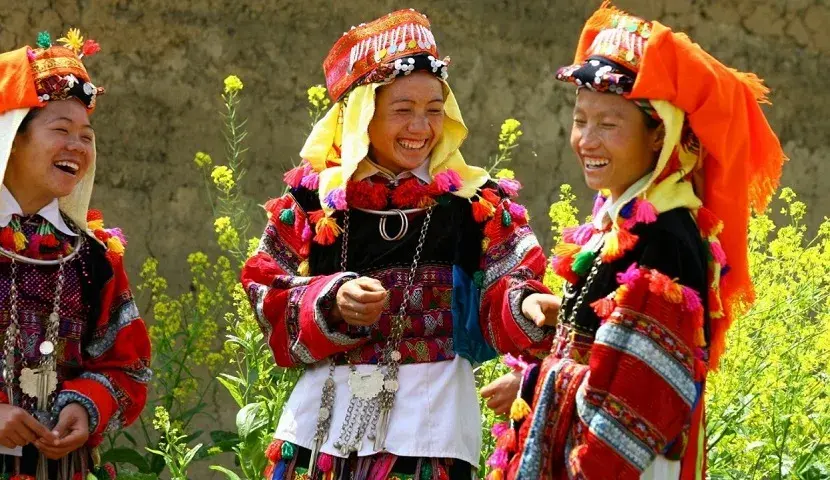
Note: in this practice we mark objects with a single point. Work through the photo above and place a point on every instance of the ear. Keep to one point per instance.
(658, 136)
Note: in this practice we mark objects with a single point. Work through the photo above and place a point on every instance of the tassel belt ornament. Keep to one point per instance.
(40, 382)
(372, 393)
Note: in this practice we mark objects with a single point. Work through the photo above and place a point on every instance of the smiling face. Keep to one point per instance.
(408, 121)
(50, 155)
(610, 137)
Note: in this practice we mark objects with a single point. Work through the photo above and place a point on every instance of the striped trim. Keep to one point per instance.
(120, 318)
(646, 350)
(515, 298)
(607, 429)
(515, 256)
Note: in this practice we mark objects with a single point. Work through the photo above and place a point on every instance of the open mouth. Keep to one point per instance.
(68, 167)
(413, 144)
(592, 163)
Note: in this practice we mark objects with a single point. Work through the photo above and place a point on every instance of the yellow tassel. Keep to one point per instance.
(674, 294)
(519, 410)
(621, 293)
(566, 249)
(611, 249)
(115, 246)
(496, 474)
(19, 241)
(700, 338)
(303, 268)
(485, 244)
(95, 225)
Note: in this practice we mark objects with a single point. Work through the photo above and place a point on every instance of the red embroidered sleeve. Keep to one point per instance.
(644, 377)
(512, 266)
(292, 308)
(116, 365)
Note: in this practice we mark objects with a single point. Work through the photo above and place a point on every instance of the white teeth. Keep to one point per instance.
(595, 162)
(70, 165)
(412, 145)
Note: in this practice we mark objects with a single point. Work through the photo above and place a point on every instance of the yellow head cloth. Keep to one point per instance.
(339, 142)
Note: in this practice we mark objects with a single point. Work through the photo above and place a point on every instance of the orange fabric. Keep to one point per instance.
(743, 155)
(17, 84)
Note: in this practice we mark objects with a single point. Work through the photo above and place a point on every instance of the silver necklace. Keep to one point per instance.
(373, 393)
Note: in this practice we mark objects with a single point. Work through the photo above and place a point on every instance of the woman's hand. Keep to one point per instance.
(501, 393)
(72, 432)
(19, 428)
(360, 302)
(541, 308)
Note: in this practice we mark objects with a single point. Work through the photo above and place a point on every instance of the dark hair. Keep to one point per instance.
(651, 122)
(33, 112)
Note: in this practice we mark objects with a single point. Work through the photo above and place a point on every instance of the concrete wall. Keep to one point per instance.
(163, 63)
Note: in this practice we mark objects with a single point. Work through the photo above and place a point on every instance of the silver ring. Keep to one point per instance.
(404, 227)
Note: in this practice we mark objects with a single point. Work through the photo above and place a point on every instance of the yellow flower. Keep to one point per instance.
(509, 126)
(228, 238)
(73, 40)
(505, 173)
(223, 178)
(233, 84)
(317, 96)
(202, 160)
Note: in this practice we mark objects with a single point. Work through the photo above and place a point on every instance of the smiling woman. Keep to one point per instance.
(388, 270)
(75, 351)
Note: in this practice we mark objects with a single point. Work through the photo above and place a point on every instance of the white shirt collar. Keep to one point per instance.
(367, 168)
(51, 212)
(611, 205)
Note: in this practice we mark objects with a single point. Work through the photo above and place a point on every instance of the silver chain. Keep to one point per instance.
(582, 293)
(372, 414)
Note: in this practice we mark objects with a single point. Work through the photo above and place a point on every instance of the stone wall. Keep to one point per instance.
(164, 61)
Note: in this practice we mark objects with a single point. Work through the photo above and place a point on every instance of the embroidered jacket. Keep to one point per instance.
(103, 350)
(478, 263)
(622, 384)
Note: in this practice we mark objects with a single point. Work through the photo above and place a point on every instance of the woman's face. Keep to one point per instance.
(610, 137)
(52, 154)
(408, 121)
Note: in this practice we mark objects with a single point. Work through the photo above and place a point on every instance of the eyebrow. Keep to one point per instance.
(409, 100)
(57, 119)
(607, 112)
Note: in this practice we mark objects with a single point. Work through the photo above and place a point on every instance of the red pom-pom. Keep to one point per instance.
(561, 266)
(507, 441)
(482, 210)
(408, 193)
(294, 177)
(92, 215)
(491, 196)
(325, 462)
(268, 472)
(604, 307)
(7, 238)
(274, 450)
(50, 241)
(367, 194)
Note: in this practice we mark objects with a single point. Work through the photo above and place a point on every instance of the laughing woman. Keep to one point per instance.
(388, 270)
(75, 352)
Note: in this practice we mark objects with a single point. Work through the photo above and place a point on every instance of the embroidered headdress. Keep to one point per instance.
(30, 77)
(362, 60)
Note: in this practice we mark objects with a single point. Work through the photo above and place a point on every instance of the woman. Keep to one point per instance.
(388, 270)
(75, 352)
(679, 150)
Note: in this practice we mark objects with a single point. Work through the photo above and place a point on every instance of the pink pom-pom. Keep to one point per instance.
(311, 181)
(644, 212)
(631, 275)
(498, 429)
(583, 233)
(30, 54)
(509, 186)
(307, 233)
(691, 300)
(117, 232)
(515, 363)
(518, 212)
(447, 181)
(336, 199)
(717, 253)
(325, 462)
(498, 459)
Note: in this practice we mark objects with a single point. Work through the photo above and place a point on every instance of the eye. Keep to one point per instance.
(87, 138)
(62, 130)
(608, 125)
(579, 121)
(403, 110)
(435, 111)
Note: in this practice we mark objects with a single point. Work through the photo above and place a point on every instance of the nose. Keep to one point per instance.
(76, 144)
(588, 138)
(419, 125)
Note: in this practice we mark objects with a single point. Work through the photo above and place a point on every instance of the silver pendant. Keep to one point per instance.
(37, 383)
(46, 348)
(366, 386)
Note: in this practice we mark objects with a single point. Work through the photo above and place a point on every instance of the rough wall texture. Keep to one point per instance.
(164, 61)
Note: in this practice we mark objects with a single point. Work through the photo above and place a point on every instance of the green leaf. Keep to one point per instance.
(228, 473)
(233, 390)
(129, 437)
(250, 419)
(126, 455)
(137, 476)
(188, 457)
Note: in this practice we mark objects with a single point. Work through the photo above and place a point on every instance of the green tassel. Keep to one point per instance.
(287, 216)
(287, 451)
(506, 219)
(44, 40)
(478, 278)
(426, 470)
(583, 261)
